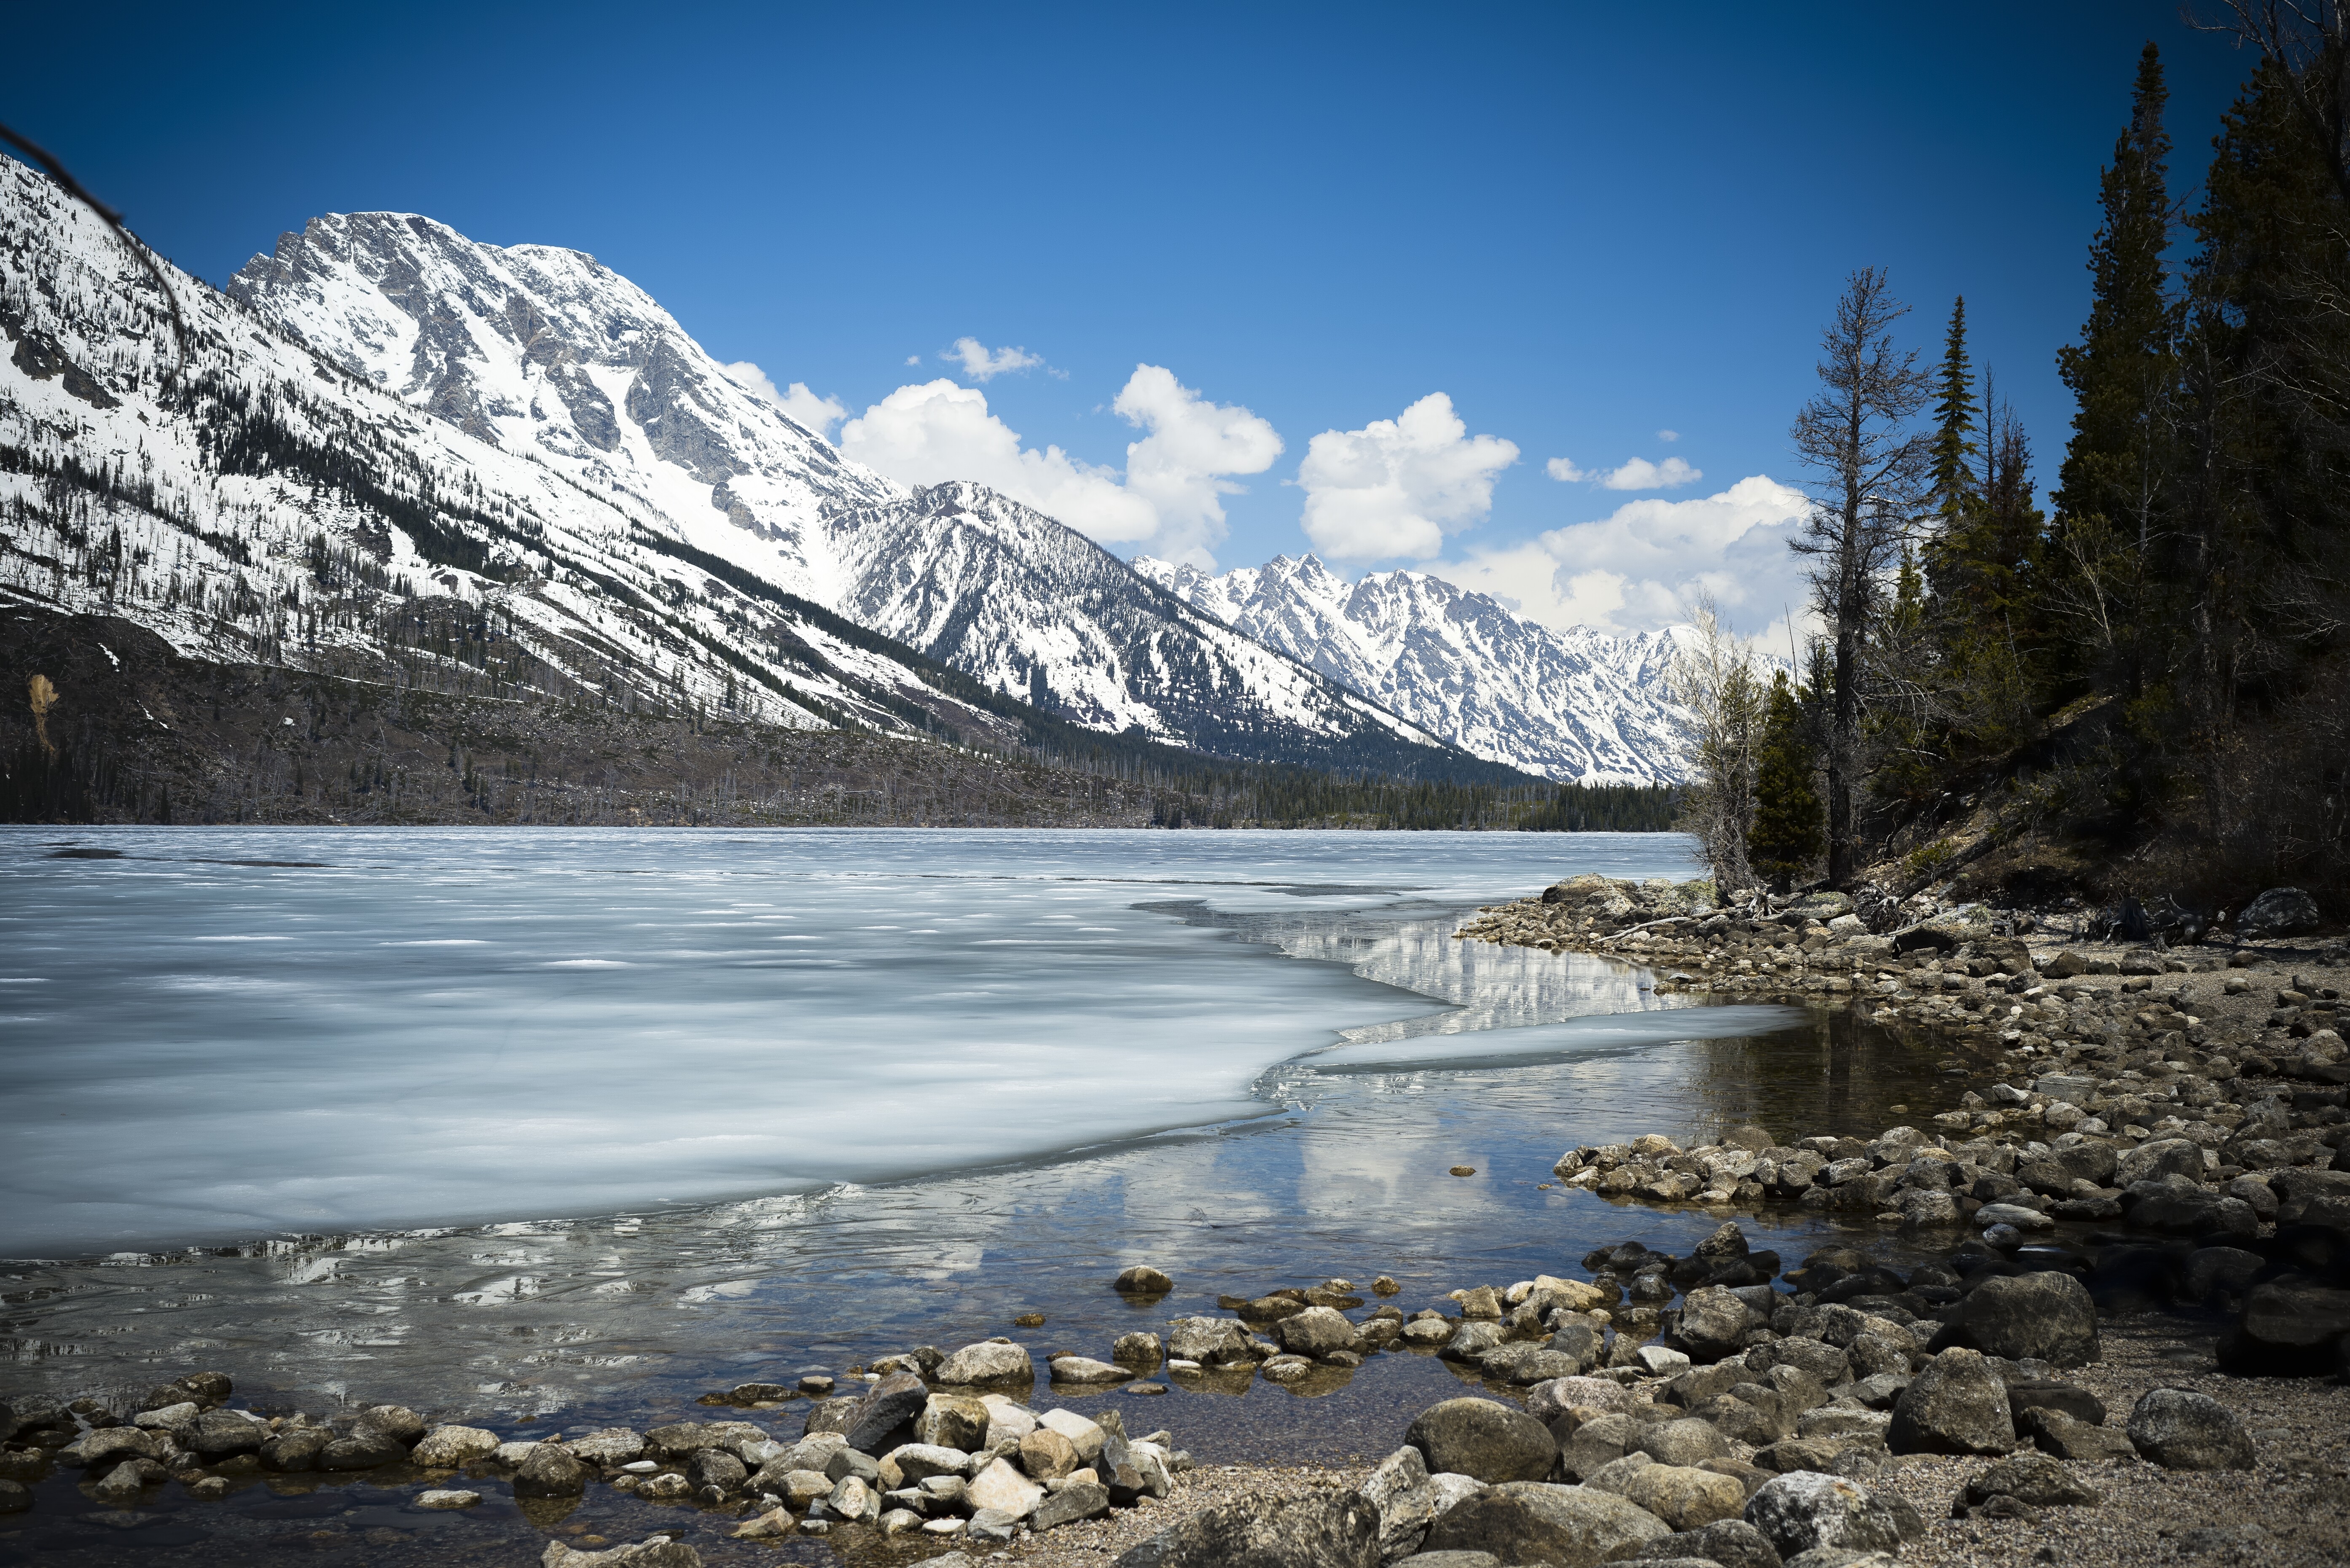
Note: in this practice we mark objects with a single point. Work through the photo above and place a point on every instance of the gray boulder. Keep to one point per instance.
(1400, 1491)
(2183, 1430)
(645, 1555)
(1524, 1363)
(1079, 1499)
(891, 1404)
(363, 1448)
(216, 1434)
(551, 1472)
(2289, 1329)
(1730, 1543)
(993, 1361)
(1958, 1405)
(2158, 1157)
(606, 1446)
(446, 1447)
(1530, 1521)
(1714, 1322)
(2034, 1480)
(1687, 1441)
(952, 1421)
(1806, 1511)
(2046, 1315)
(1209, 1341)
(1317, 1330)
(2067, 1437)
(1330, 1529)
(1483, 1439)
(2278, 912)
(1816, 1356)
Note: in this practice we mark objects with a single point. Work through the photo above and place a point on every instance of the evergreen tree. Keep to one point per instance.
(1789, 833)
(2110, 489)
(1954, 421)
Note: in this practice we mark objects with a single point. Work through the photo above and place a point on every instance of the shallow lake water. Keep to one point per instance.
(544, 1130)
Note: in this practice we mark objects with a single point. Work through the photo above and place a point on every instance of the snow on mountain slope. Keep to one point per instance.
(1575, 705)
(249, 502)
(547, 356)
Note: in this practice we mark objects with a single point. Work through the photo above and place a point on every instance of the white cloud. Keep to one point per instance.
(1641, 475)
(914, 358)
(1167, 498)
(819, 414)
(1641, 567)
(1668, 435)
(939, 431)
(981, 364)
(1564, 470)
(1393, 487)
(1179, 467)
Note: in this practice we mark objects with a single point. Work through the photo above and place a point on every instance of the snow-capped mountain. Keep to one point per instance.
(384, 424)
(1575, 704)
(546, 353)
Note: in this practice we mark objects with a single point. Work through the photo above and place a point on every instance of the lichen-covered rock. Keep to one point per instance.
(1958, 1405)
(1328, 1530)
(446, 1447)
(989, 1362)
(2047, 1316)
(1805, 1511)
(1531, 1522)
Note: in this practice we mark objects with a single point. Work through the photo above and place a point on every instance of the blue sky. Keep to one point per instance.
(1582, 225)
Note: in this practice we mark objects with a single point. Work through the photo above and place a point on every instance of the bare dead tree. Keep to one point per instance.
(1713, 677)
(2310, 40)
(1871, 477)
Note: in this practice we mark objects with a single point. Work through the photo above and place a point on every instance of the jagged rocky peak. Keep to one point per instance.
(545, 350)
(1574, 704)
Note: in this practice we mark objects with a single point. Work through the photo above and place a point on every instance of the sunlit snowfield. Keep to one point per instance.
(585, 1124)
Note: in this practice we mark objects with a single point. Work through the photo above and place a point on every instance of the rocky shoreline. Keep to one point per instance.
(2165, 1136)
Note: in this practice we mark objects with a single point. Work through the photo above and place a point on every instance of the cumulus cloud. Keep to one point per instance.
(1396, 486)
(1668, 435)
(939, 431)
(1641, 475)
(982, 364)
(1564, 470)
(1180, 466)
(1167, 497)
(819, 414)
(1641, 567)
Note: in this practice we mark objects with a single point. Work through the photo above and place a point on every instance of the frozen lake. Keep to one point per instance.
(219, 1034)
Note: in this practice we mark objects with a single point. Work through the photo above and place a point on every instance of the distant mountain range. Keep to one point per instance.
(383, 415)
(1575, 704)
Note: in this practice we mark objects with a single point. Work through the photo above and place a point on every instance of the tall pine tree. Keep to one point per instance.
(2111, 490)
(1789, 835)
(1954, 421)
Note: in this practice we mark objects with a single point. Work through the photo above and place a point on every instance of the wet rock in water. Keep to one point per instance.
(1958, 1405)
(1472, 1339)
(14, 1497)
(1327, 1530)
(398, 1422)
(1142, 1280)
(109, 1446)
(1483, 1439)
(446, 1447)
(1081, 1369)
(179, 1419)
(993, 1361)
(1079, 1499)
(363, 1448)
(1317, 1330)
(716, 1467)
(1209, 1340)
(2047, 1316)
(443, 1499)
(1805, 1511)
(2183, 1430)
(1428, 1332)
(888, 1405)
(1684, 1496)
(1140, 1349)
(608, 1446)
(122, 1484)
(1532, 1522)
(2289, 1329)
(798, 1488)
(215, 1386)
(2034, 1480)
(1384, 1287)
(295, 1450)
(816, 1386)
(551, 1472)
(1729, 1543)
(646, 1554)
(1005, 1490)
(847, 1462)
(1481, 1302)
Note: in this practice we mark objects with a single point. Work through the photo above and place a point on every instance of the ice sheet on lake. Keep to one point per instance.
(1552, 1041)
(461, 1025)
